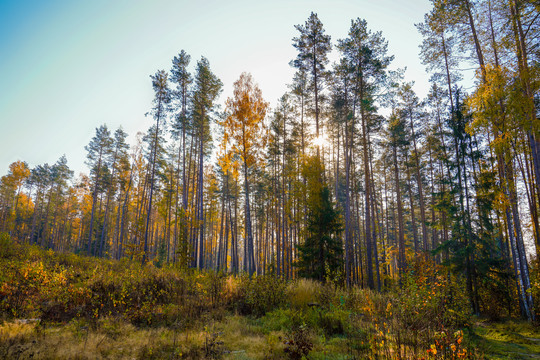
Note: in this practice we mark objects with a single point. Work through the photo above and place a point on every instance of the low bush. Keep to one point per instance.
(431, 297)
(298, 343)
(334, 322)
(8, 249)
(259, 294)
(424, 312)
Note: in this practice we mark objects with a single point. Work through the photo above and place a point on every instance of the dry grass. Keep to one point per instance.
(302, 292)
(243, 339)
(80, 341)
(234, 337)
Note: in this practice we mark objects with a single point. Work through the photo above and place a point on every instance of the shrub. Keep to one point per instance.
(330, 296)
(535, 283)
(7, 248)
(28, 286)
(430, 297)
(283, 319)
(212, 286)
(334, 322)
(298, 343)
(260, 294)
(139, 294)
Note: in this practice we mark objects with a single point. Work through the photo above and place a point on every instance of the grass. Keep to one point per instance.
(93, 308)
(233, 337)
(238, 337)
(230, 336)
(509, 339)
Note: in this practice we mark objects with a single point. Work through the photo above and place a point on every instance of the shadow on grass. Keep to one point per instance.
(508, 340)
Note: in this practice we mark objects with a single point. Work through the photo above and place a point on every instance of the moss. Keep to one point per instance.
(510, 339)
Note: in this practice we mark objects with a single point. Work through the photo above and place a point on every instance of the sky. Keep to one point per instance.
(67, 67)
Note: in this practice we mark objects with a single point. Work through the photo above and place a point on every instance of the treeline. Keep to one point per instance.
(347, 179)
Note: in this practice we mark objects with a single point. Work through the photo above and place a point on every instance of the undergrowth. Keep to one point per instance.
(93, 307)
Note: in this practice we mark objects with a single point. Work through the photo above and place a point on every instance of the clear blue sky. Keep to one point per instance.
(67, 67)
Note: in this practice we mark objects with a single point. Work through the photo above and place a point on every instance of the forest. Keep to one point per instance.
(351, 183)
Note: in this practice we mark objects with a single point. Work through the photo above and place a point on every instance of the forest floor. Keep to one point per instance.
(510, 339)
(230, 337)
(65, 306)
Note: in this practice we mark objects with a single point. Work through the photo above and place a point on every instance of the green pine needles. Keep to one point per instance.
(320, 257)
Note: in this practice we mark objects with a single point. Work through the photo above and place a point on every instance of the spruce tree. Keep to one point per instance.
(320, 256)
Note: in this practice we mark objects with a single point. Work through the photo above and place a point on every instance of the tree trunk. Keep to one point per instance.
(401, 237)
(94, 198)
(152, 174)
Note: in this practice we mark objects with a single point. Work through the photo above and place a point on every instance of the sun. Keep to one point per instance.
(321, 141)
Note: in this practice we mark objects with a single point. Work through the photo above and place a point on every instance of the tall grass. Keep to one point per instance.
(122, 309)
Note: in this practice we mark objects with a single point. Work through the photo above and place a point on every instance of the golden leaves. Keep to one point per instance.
(245, 131)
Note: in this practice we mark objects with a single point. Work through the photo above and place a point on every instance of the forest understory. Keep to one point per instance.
(65, 306)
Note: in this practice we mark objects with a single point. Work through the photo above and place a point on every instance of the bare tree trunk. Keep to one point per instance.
(367, 189)
(109, 195)
(201, 225)
(124, 214)
(413, 215)
(401, 237)
(94, 199)
(420, 187)
(154, 157)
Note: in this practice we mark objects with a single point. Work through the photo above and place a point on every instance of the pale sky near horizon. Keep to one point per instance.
(67, 67)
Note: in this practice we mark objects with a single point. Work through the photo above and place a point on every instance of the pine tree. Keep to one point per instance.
(99, 151)
(396, 141)
(313, 47)
(365, 62)
(207, 88)
(161, 100)
(181, 124)
(118, 159)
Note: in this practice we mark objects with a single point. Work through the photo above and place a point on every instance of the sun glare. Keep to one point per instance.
(321, 141)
